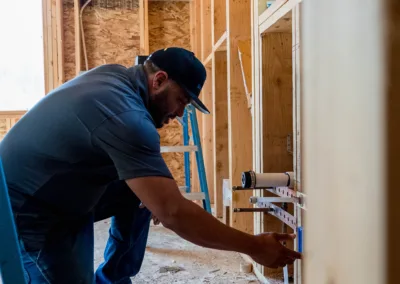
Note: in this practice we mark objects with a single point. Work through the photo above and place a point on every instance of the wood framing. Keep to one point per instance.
(296, 148)
(276, 107)
(144, 26)
(78, 38)
(8, 119)
(224, 28)
(208, 135)
(239, 116)
(220, 126)
(53, 44)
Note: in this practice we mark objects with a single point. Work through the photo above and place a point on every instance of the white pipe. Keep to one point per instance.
(263, 180)
(83, 33)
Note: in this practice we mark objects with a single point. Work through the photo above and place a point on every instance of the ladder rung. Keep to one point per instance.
(194, 195)
(190, 148)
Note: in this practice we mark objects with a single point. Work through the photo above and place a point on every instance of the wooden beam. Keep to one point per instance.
(50, 49)
(208, 136)
(220, 45)
(296, 136)
(220, 126)
(206, 42)
(350, 142)
(54, 44)
(256, 119)
(197, 50)
(244, 49)
(193, 29)
(276, 116)
(207, 61)
(144, 26)
(45, 47)
(219, 20)
(239, 117)
(279, 19)
(60, 41)
(78, 38)
(267, 13)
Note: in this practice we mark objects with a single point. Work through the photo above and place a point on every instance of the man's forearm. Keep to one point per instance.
(197, 226)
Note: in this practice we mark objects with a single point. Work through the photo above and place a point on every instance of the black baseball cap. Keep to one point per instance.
(185, 69)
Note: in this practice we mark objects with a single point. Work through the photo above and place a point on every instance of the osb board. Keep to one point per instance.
(169, 25)
(111, 35)
(69, 40)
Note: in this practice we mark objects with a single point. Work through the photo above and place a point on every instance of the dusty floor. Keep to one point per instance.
(166, 249)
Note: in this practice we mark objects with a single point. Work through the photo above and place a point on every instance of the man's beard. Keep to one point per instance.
(157, 109)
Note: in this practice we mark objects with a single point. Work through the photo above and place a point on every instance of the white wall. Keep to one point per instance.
(21, 54)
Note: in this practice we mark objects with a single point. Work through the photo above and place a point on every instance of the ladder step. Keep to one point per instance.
(183, 187)
(165, 149)
(194, 195)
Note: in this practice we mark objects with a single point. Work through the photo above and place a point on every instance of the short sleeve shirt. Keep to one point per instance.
(90, 131)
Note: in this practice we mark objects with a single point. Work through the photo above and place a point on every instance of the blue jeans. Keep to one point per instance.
(70, 259)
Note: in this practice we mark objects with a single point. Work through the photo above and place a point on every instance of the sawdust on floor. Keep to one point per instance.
(171, 259)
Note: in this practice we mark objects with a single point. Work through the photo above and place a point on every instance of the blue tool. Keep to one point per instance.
(11, 268)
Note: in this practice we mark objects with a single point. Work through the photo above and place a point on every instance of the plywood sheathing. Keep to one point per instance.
(169, 25)
(69, 40)
(111, 35)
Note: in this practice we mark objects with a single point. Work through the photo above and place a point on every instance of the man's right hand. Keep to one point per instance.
(270, 252)
(162, 197)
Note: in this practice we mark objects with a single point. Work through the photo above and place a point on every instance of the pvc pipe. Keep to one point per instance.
(264, 180)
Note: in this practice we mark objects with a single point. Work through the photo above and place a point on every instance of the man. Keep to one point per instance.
(90, 150)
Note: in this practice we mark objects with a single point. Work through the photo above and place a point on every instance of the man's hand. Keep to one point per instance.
(194, 224)
(270, 252)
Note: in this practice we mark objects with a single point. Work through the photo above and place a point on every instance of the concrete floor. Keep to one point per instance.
(167, 251)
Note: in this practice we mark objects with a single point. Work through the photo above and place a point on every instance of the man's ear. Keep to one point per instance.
(160, 78)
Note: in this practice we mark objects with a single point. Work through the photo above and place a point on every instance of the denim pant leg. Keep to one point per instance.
(62, 260)
(126, 245)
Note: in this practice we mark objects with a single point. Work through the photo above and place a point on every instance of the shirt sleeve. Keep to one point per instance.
(133, 143)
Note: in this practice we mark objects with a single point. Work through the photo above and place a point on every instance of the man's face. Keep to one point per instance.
(167, 99)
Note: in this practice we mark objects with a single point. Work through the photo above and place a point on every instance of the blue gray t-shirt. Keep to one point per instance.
(92, 130)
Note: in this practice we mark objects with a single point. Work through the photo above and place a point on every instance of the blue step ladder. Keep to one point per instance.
(11, 271)
(190, 113)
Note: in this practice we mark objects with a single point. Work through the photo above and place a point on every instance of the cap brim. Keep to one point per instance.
(195, 101)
